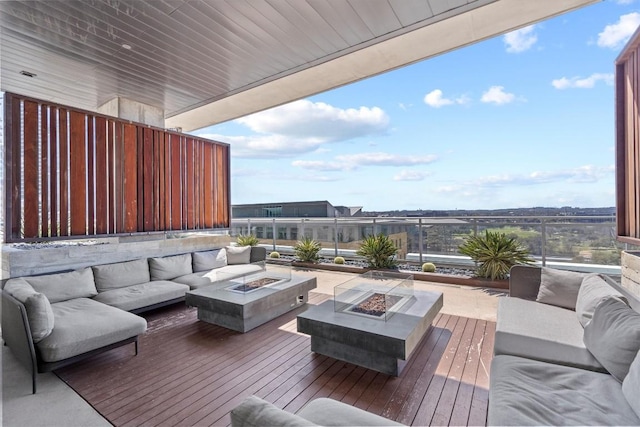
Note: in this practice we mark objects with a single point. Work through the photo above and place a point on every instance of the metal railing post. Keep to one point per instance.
(420, 246)
(273, 230)
(543, 238)
(335, 235)
(375, 227)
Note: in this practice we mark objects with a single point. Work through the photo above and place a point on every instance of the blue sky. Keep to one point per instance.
(521, 120)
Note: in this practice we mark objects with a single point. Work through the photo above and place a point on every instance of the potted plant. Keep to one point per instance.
(379, 251)
(495, 254)
(307, 250)
(247, 240)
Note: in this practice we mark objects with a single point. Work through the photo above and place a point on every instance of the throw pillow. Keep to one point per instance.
(631, 385)
(613, 336)
(208, 260)
(170, 267)
(65, 286)
(255, 412)
(593, 289)
(238, 254)
(37, 306)
(559, 287)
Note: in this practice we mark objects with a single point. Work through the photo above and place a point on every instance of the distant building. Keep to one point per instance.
(317, 209)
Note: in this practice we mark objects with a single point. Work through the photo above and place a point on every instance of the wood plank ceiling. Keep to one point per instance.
(178, 55)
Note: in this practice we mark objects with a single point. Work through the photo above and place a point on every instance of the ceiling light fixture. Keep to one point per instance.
(126, 46)
(27, 73)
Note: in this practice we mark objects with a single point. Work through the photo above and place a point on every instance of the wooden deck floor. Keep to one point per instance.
(192, 373)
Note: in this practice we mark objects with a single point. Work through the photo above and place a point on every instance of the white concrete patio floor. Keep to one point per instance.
(56, 404)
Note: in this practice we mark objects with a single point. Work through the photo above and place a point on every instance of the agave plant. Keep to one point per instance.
(495, 254)
(307, 249)
(247, 240)
(379, 251)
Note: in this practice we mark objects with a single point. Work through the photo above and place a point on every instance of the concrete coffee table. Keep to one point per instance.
(225, 304)
(383, 346)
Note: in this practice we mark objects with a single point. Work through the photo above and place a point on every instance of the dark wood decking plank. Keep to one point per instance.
(192, 373)
(480, 401)
(462, 404)
(442, 415)
(431, 398)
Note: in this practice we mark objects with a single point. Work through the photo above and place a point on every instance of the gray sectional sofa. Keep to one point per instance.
(567, 351)
(255, 412)
(53, 320)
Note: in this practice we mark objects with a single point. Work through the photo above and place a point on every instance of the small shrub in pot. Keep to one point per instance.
(428, 267)
(338, 260)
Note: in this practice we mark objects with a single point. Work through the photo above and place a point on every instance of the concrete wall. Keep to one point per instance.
(631, 271)
(28, 262)
(135, 111)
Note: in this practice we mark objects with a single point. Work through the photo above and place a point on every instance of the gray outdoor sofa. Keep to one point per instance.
(255, 412)
(567, 351)
(53, 320)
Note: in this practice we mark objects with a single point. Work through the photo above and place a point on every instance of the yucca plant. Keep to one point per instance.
(247, 240)
(379, 251)
(307, 249)
(495, 254)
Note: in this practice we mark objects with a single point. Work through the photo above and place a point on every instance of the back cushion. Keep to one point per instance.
(170, 267)
(238, 254)
(208, 260)
(592, 290)
(39, 312)
(559, 287)
(121, 274)
(613, 336)
(65, 286)
(631, 385)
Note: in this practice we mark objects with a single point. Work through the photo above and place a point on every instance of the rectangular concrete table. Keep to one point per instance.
(383, 346)
(245, 311)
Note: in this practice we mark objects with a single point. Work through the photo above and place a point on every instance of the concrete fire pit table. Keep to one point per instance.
(233, 305)
(380, 344)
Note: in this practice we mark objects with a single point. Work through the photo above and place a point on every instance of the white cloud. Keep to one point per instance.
(583, 83)
(497, 95)
(408, 175)
(624, 2)
(436, 99)
(581, 174)
(520, 40)
(302, 127)
(349, 162)
(302, 119)
(614, 36)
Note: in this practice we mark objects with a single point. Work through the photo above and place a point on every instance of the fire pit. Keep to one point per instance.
(255, 284)
(376, 304)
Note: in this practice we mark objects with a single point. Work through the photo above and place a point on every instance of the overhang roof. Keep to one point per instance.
(207, 61)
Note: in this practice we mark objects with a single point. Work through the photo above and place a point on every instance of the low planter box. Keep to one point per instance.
(425, 277)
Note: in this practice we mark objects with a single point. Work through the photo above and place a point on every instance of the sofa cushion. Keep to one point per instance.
(238, 254)
(142, 295)
(542, 332)
(39, 312)
(166, 268)
(631, 385)
(529, 392)
(208, 260)
(83, 325)
(592, 290)
(228, 272)
(329, 412)
(613, 336)
(65, 286)
(121, 274)
(255, 412)
(559, 287)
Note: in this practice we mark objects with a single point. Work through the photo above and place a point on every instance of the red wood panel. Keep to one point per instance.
(102, 177)
(64, 172)
(45, 174)
(14, 207)
(78, 173)
(91, 147)
(167, 181)
(130, 178)
(158, 178)
(147, 180)
(189, 185)
(119, 204)
(222, 202)
(207, 181)
(30, 167)
(53, 167)
(176, 182)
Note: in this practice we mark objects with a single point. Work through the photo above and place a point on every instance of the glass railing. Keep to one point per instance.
(574, 242)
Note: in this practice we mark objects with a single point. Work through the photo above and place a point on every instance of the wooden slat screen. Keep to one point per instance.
(72, 173)
(628, 142)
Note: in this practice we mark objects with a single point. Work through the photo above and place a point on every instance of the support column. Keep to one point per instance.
(133, 110)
